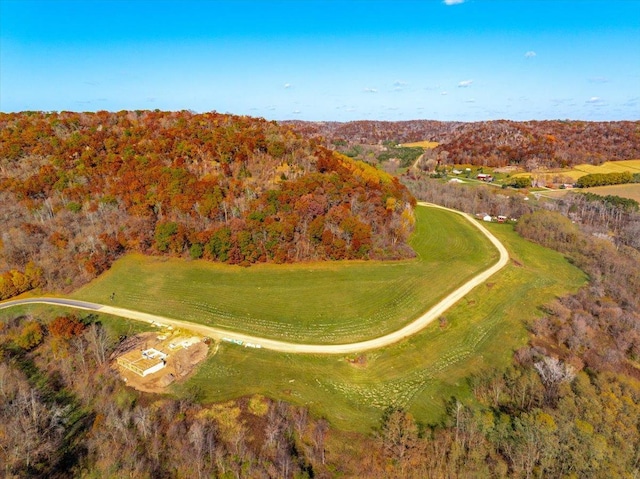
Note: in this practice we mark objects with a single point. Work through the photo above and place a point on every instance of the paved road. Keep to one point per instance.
(410, 329)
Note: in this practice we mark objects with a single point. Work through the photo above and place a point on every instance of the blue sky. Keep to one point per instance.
(326, 60)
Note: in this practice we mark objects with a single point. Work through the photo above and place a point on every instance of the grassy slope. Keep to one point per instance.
(319, 302)
(420, 373)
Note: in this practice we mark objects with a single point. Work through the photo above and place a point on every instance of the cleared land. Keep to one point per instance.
(421, 373)
(328, 303)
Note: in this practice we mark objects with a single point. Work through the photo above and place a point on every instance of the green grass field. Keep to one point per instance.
(317, 303)
(420, 373)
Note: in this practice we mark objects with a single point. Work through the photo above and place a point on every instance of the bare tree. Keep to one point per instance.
(98, 342)
(553, 372)
(319, 436)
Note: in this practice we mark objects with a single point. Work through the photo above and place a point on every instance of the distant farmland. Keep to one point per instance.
(624, 191)
(422, 144)
(632, 166)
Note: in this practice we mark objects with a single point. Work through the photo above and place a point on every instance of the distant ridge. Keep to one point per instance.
(495, 143)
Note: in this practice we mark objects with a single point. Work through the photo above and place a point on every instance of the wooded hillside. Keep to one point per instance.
(496, 143)
(80, 189)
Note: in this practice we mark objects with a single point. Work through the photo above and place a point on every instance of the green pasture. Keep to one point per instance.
(421, 373)
(328, 302)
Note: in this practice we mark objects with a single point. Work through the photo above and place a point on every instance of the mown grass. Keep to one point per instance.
(421, 373)
(316, 302)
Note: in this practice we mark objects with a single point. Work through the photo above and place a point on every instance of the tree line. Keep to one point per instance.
(605, 179)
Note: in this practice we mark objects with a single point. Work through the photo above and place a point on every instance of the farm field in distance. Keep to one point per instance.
(422, 373)
(632, 166)
(422, 144)
(328, 303)
(630, 190)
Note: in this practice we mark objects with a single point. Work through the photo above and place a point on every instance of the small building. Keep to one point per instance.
(456, 172)
(487, 218)
(143, 362)
(502, 219)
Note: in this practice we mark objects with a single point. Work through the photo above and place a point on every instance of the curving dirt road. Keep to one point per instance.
(283, 346)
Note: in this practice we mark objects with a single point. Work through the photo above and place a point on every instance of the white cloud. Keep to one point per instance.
(371, 90)
(594, 99)
(599, 80)
(453, 2)
(444, 92)
(465, 83)
(399, 85)
(472, 100)
(288, 85)
(530, 54)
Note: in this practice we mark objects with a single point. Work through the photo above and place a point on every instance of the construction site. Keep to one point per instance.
(152, 361)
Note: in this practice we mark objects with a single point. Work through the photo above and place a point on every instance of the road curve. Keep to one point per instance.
(283, 346)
